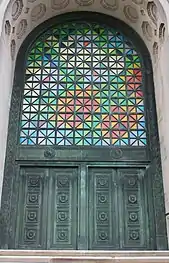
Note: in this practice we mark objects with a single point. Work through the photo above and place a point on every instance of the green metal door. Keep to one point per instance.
(48, 208)
(82, 207)
(118, 209)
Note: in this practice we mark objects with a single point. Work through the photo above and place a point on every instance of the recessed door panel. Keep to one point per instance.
(133, 209)
(103, 213)
(47, 208)
(62, 209)
(118, 209)
(30, 232)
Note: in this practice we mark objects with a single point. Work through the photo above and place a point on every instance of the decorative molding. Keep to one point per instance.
(31, 1)
(49, 153)
(21, 28)
(131, 13)
(162, 32)
(142, 11)
(26, 11)
(117, 154)
(13, 30)
(138, 2)
(59, 4)
(17, 9)
(7, 28)
(13, 49)
(110, 4)
(147, 30)
(152, 11)
(155, 49)
(84, 2)
(38, 12)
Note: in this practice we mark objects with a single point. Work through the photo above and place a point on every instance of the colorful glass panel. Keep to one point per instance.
(83, 86)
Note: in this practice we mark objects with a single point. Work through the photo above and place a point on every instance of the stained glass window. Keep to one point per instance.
(83, 86)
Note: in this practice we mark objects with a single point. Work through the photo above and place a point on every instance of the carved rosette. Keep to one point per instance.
(7, 28)
(17, 9)
(38, 12)
(132, 199)
(117, 154)
(110, 4)
(134, 235)
(49, 153)
(152, 11)
(30, 235)
(155, 50)
(147, 30)
(59, 4)
(131, 13)
(162, 32)
(13, 49)
(21, 28)
(133, 216)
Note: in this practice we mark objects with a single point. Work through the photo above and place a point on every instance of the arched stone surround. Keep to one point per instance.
(150, 19)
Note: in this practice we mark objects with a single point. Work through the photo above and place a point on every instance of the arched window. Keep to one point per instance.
(83, 164)
(83, 86)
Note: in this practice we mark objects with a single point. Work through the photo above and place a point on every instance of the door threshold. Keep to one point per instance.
(83, 256)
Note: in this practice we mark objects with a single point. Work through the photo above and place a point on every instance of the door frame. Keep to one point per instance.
(9, 192)
(83, 197)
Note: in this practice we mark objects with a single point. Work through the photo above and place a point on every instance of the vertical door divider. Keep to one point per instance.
(83, 209)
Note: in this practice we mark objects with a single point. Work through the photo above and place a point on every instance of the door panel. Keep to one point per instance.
(32, 212)
(133, 208)
(118, 209)
(47, 208)
(103, 220)
(62, 213)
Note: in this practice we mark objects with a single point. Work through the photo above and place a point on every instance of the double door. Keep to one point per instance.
(83, 206)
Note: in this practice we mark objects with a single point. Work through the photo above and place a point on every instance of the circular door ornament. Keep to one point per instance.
(103, 216)
(31, 234)
(49, 153)
(133, 216)
(131, 181)
(63, 198)
(103, 235)
(134, 235)
(62, 235)
(102, 198)
(132, 199)
(117, 154)
(62, 216)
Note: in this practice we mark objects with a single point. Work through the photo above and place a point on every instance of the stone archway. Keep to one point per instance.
(147, 18)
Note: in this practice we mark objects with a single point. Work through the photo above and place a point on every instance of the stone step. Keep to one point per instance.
(81, 256)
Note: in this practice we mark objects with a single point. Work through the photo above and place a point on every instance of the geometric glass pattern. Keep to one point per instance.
(83, 87)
